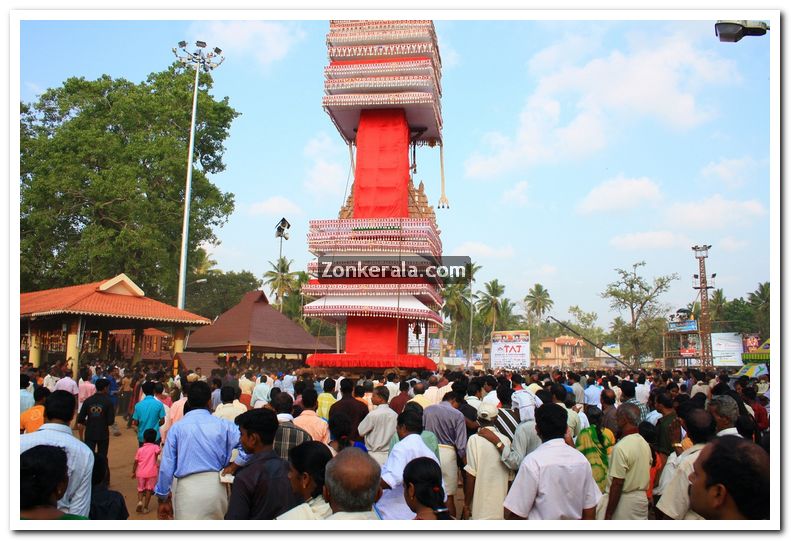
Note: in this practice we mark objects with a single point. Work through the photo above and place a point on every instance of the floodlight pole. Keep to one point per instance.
(199, 60)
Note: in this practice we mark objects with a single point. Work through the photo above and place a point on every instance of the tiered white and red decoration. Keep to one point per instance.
(382, 92)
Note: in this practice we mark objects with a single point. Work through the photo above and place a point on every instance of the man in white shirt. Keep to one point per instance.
(352, 485)
(593, 394)
(247, 383)
(432, 392)
(522, 399)
(58, 412)
(51, 379)
(288, 383)
(642, 389)
(554, 482)
(487, 479)
(629, 471)
(392, 386)
(559, 395)
(490, 390)
(261, 393)
(576, 388)
(473, 397)
(392, 506)
(674, 482)
(378, 427)
(230, 408)
(725, 411)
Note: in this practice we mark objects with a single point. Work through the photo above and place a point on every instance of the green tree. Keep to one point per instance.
(203, 265)
(489, 303)
(760, 301)
(456, 306)
(641, 301)
(538, 302)
(716, 307)
(739, 316)
(220, 292)
(585, 323)
(281, 280)
(102, 180)
(293, 301)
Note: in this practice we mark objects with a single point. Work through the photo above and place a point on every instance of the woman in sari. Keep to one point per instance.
(596, 443)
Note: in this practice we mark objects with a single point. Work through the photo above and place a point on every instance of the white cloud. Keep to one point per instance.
(266, 41)
(546, 270)
(649, 240)
(576, 110)
(327, 173)
(478, 250)
(448, 54)
(516, 196)
(731, 244)
(568, 51)
(34, 88)
(715, 213)
(275, 205)
(620, 193)
(326, 179)
(730, 172)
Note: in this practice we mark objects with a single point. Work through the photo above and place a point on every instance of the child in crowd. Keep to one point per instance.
(146, 470)
(106, 504)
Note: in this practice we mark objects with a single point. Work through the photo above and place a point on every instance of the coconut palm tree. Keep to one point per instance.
(509, 320)
(717, 304)
(489, 302)
(202, 264)
(760, 301)
(456, 306)
(760, 297)
(538, 301)
(280, 279)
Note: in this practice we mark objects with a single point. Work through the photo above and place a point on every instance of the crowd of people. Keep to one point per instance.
(243, 443)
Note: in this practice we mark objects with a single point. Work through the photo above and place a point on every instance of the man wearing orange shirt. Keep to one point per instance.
(32, 418)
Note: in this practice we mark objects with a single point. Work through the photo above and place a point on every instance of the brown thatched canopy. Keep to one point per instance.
(254, 321)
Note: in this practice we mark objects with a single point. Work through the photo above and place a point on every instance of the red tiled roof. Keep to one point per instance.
(567, 341)
(253, 320)
(88, 299)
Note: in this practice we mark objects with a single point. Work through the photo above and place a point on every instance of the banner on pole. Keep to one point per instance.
(511, 349)
(726, 348)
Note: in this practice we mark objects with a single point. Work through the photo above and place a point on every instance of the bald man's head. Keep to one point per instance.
(352, 481)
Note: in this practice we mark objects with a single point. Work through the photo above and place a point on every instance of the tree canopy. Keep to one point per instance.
(103, 165)
(640, 299)
(221, 292)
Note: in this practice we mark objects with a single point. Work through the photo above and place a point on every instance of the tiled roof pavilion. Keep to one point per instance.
(118, 297)
(117, 303)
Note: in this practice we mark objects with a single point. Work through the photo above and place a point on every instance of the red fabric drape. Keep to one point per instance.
(380, 334)
(381, 177)
(370, 360)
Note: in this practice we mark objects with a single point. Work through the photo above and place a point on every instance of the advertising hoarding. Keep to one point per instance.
(510, 349)
(726, 348)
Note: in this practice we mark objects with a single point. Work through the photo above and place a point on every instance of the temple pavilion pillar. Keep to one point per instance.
(73, 347)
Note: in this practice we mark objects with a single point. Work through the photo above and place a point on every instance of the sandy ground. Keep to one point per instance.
(121, 456)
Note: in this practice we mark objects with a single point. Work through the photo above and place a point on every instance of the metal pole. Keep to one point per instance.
(187, 197)
(588, 341)
(472, 312)
(280, 289)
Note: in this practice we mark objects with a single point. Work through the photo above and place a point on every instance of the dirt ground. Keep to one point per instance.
(121, 456)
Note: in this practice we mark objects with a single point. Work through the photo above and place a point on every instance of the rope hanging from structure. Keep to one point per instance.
(443, 200)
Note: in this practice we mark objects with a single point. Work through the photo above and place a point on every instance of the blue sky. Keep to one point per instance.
(571, 147)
